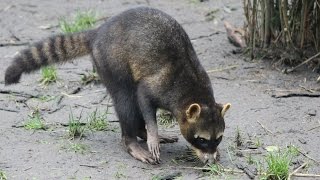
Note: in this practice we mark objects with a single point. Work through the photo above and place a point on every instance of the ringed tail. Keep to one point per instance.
(55, 49)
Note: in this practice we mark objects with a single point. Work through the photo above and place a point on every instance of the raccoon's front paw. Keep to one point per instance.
(154, 147)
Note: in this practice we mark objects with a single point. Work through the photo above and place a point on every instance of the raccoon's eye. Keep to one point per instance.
(201, 140)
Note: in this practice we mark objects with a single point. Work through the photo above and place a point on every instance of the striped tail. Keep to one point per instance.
(56, 49)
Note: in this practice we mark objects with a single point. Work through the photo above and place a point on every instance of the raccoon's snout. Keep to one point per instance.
(207, 158)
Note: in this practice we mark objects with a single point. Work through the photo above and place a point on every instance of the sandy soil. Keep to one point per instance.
(249, 86)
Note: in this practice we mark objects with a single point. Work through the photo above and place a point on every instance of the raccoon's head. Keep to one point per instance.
(203, 128)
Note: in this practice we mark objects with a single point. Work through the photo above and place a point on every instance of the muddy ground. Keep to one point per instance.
(248, 85)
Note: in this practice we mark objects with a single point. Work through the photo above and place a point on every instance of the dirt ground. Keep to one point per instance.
(249, 86)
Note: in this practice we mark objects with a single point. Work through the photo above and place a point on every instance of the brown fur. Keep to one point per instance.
(146, 61)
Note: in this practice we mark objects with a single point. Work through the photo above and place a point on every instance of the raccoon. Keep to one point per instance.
(146, 61)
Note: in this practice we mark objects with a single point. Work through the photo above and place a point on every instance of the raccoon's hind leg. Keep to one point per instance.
(142, 133)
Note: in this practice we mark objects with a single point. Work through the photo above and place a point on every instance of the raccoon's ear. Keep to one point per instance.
(193, 113)
(225, 109)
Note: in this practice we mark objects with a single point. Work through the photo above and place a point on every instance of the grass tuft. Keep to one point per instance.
(293, 150)
(215, 169)
(46, 98)
(76, 128)
(90, 77)
(82, 21)
(97, 121)
(48, 75)
(165, 118)
(238, 138)
(3, 175)
(278, 163)
(78, 148)
(35, 122)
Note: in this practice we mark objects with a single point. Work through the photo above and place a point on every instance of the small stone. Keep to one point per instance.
(239, 154)
(312, 112)
(302, 141)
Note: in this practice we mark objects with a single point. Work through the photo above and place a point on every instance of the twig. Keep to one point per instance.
(90, 166)
(17, 126)
(74, 91)
(205, 36)
(208, 169)
(22, 94)
(9, 110)
(314, 128)
(266, 129)
(306, 175)
(67, 125)
(102, 99)
(295, 95)
(309, 59)
(222, 69)
(306, 155)
(306, 89)
(281, 90)
(296, 170)
(56, 109)
(246, 170)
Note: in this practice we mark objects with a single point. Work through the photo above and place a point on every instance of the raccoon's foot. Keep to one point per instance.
(167, 139)
(154, 146)
(136, 151)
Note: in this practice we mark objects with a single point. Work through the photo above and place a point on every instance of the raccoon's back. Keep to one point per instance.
(145, 39)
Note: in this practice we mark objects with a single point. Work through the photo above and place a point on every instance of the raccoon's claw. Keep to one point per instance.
(154, 148)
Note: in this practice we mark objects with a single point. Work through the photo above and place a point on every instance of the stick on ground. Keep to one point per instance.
(265, 128)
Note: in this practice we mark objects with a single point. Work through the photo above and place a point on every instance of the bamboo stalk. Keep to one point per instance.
(294, 23)
(286, 29)
(263, 19)
(253, 22)
(303, 22)
(267, 23)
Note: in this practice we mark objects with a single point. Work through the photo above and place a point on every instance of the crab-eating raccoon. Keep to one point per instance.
(146, 61)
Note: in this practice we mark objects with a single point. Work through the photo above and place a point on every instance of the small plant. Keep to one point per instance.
(35, 121)
(3, 175)
(278, 163)
(258, 143)
(82, 21)
(89, 78)
(49, 75)
(215, 169)
(78, 148)
(76, 128)
(250, 159)
(293, 150)
(155, 177)
(165, 118)
(98, 121)
(194, 1)
(120, 174)
(46, 98)
(211, 15)
(238, 138)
